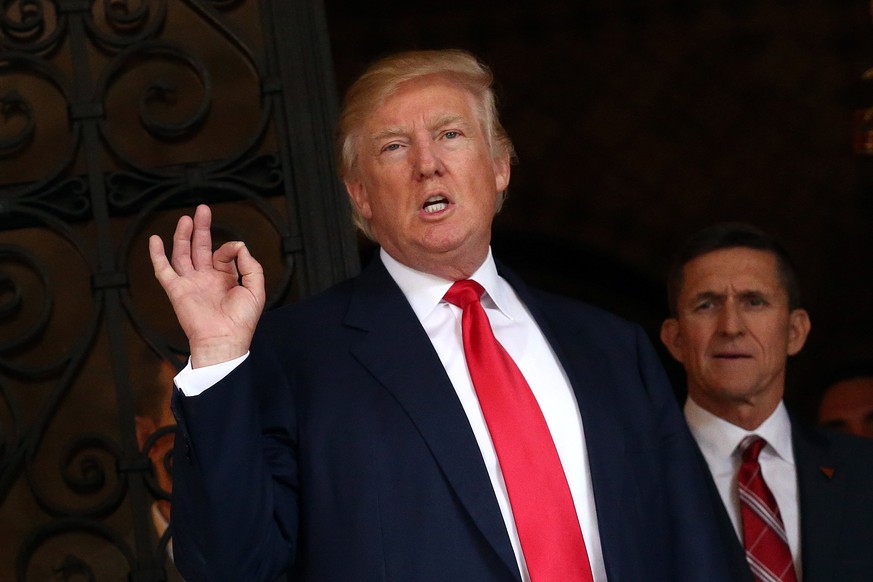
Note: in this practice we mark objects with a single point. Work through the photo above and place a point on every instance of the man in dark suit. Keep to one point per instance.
(736, 318)
(345, 439)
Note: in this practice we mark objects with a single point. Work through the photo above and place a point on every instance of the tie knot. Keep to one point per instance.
(751, 447)
(463, 293)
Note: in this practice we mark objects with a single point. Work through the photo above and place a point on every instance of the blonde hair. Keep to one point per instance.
(382, 79)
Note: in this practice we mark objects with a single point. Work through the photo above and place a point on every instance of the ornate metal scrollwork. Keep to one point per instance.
(127, 22)
(20, 117)
(111, 117)
(12, 297)
(13, 105)
(31, 25)
(74, 565)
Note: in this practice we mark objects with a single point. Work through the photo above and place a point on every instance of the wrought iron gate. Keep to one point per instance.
(115, 117)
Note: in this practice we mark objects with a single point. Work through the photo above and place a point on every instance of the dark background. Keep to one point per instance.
(637, 123)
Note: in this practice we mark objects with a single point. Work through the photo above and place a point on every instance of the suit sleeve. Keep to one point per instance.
(234, 499)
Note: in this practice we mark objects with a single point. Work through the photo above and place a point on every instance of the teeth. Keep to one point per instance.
(435, 207)
(435, 204)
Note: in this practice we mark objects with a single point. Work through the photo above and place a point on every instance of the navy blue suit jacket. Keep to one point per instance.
(339, 451)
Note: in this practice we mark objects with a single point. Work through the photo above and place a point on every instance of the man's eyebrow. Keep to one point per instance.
(708, 295)
(386, 133)
(451, 119)
(439, 122)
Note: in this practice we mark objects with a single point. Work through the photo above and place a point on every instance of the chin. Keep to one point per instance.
(441, 243)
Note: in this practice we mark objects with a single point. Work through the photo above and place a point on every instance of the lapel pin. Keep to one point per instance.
(827, 471)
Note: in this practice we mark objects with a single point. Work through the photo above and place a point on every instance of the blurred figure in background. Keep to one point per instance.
(847, 402)
(152, 414)
(152, 383)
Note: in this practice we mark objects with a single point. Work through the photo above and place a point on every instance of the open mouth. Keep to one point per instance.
(435, 204)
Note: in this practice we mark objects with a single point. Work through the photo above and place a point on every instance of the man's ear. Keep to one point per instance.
(501, 172)
(671, 338)
(358, 196)
(798, 330)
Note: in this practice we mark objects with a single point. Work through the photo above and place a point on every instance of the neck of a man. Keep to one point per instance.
(452, 266)
(748, 412)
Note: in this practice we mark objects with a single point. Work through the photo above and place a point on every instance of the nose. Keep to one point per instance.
(731, 321)
(427, 162)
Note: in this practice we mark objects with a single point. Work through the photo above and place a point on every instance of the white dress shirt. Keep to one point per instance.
(519, 334)
(719, 440)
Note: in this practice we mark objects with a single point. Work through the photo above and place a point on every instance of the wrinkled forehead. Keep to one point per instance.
(732, 270)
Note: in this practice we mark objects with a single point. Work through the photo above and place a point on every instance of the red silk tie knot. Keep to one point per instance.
(463, 293)
(751, 447)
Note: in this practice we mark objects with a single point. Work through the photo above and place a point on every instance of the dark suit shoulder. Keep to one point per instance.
(372, 293)
(835, 481)
(827, 443)
(831, 462)
(332, 301)
(586, 318)
(577, 310)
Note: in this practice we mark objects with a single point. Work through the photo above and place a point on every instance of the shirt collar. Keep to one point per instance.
(424, 291)
(720, 438)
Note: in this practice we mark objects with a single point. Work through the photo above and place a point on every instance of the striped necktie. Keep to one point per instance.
(763, 532)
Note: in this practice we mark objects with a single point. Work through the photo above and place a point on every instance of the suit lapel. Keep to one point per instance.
(821, 482)
(398, 353)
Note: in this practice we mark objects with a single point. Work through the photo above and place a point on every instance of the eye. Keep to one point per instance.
(452, 134)
(391, 147)
(704, 306)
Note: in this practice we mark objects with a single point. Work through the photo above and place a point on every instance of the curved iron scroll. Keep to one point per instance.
(115, 117)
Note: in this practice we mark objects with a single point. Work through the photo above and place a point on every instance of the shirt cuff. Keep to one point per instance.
(195, 381)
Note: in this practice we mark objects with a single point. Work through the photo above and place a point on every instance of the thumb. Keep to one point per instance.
(251, 273)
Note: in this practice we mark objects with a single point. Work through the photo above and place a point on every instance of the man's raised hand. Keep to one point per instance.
(216, 312)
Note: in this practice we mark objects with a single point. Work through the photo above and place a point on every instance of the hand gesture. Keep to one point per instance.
(216, 312)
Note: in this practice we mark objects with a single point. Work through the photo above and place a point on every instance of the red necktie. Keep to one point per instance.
(542, 505)
(763, 532)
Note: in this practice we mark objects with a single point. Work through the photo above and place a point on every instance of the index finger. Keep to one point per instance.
(161, 265)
